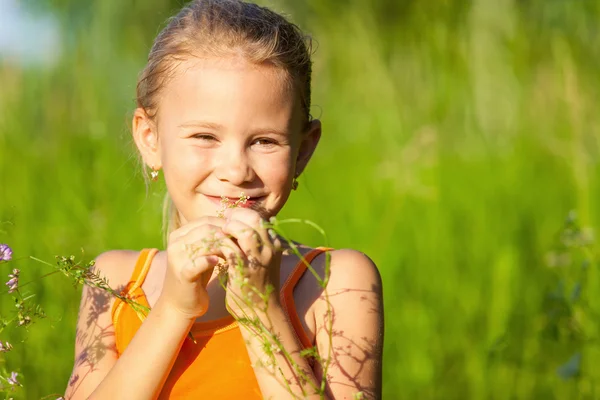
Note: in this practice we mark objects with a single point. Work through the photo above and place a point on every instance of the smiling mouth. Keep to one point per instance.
(240, 201)
(252, 203)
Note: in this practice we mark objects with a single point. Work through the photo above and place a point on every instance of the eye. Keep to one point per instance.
(265, 142)
(203, 136)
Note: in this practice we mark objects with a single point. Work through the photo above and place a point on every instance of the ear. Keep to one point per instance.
(146, 138)
(310, 139)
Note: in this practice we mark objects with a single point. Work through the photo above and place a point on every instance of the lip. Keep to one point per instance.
(247, 204)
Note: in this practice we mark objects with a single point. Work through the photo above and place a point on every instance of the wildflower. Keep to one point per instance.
(5, 347)
(5, 252)
(13, 282)
(227, 203)
(13, 379)
(222, 268)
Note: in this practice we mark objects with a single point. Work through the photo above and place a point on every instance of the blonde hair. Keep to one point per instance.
(222, 28)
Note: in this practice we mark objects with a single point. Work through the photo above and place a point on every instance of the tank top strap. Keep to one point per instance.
(287, 293)
(134, 291)
(142, 266)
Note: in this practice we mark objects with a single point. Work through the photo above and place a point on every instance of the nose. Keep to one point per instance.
(233, 166)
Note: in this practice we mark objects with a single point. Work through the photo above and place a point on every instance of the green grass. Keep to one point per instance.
(456, 141)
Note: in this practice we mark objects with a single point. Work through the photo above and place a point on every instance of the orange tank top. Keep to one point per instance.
(217, 366)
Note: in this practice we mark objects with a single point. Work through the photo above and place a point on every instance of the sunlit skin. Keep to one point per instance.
(227, 126)
(223, 127)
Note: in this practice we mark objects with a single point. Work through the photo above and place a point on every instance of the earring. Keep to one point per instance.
(154, 174)
(294, 184)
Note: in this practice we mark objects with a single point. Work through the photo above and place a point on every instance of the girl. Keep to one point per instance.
(223, 109)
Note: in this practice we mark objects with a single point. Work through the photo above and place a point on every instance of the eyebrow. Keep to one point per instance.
(269, 130)
(201, 124)
(217, 127)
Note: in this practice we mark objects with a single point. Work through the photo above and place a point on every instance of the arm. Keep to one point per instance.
(254, 265)
(276, 376)
(349, 318)
(142, 369)
(351, 326)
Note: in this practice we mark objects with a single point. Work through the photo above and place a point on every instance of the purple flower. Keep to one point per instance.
(5, 347)
(5, 252)
(13, 282)
(13, 379)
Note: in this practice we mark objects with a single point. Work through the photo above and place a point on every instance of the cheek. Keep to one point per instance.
(181, 163)
(275, 169)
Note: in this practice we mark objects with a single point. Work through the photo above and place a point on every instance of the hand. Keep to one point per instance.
(192, 253)
(253, 264)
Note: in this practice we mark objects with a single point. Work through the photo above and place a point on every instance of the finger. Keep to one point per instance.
(248, 239)
(245, 215)
(254, 220)
(199, 265)
(185, 229)
(203, 258)
(206, 238)
(276, 242)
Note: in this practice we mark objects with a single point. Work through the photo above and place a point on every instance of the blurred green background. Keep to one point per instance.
(458, 137)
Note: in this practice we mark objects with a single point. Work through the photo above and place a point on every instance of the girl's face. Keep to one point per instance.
(223, 127)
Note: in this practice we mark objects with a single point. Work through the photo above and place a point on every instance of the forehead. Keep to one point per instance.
(231, 91)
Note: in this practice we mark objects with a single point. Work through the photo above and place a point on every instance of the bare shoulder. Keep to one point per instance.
(349, 317)
(116, 266)
(95, 346)
(353, 269)
(344, 270)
